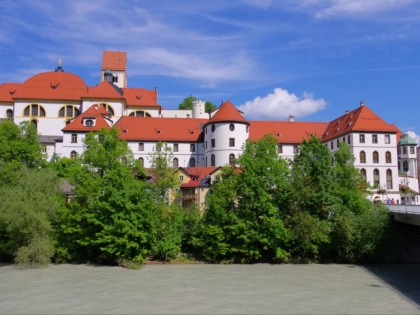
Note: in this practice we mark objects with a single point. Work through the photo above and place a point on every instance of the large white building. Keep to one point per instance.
(63, 109)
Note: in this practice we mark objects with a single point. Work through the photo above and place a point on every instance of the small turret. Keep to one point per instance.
(199, 109)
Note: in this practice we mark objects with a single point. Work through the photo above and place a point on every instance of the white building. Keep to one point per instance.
(63, 109)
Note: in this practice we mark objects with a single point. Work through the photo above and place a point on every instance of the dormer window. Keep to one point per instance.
(89, 122)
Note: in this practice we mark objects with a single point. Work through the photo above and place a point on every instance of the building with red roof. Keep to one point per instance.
(64, 109)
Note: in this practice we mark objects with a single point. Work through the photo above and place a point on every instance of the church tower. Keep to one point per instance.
(115, 63)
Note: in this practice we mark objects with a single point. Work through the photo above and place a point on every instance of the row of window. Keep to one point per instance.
(280, 149)
(376, 178)
(175, 147)
(231, 128)
(375, 157)
(404, 150)
(362, 139)
(68, 111)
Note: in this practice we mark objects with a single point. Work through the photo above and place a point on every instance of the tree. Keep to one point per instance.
(19, 144)
(188, 104)
(29, 213)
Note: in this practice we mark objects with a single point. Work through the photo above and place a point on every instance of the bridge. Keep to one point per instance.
(405, 213)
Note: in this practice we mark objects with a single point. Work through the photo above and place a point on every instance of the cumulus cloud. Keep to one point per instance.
(280, 104)
(413, 135)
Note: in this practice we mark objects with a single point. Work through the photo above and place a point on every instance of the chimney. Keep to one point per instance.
(346, 111)
(156, 92)
(291, 118)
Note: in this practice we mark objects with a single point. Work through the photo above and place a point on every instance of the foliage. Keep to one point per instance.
(29, 213)
(19, 144)
(187, 103)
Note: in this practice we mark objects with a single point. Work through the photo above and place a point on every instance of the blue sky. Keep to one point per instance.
(310, 58)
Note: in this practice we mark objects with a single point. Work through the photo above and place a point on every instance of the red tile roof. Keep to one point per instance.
(197, 175)
(7, 91)
(140, 97)
(160, 129)
(104, 90)
(52, 86)
(285, 131)
(361, 119)
(227, 112)
(95, 111)
(114, 60)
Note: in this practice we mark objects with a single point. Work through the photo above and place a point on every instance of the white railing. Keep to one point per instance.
(404, 209)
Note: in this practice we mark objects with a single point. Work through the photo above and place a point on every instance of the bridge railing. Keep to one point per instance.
(404, 209)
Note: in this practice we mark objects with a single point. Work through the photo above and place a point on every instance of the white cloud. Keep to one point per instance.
(280, 104)
(330, 8)
(413, 135)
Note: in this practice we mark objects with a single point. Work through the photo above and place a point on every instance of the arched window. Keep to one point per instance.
(73, 155)
(34, 110)
(405, 166)
(139, 113)
(68, 111)
(175, 163)
(388, 179)
(376, 179)
(388, 158)
(213, 160)
(108, 108)
(375, 157)
(192, 162)
(232, 159)
(141, 160)
(363, 173)
(362, 157)
(9, 113)
(231, 127)
(213, 128)
(124, 160)
(34, 123)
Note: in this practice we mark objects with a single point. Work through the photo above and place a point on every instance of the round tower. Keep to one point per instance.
(224, 136)
(199, 109)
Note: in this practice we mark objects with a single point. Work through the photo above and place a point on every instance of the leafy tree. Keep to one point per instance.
(29, 213)
(188, 104)
(19, 144)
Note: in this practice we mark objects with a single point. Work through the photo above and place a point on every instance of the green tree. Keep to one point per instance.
(188, 104)
(29, 213)
(19, 144)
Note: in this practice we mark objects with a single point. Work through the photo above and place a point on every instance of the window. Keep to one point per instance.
(232, 159)
(375, 157)
(124, 160)
(213, 143)
(192, 162)
(73, 155)
(362, 157)
(388, 179)
(141, 146)
(213, 128)
(181, 178)
(411, 150)
(399, 150)
(280, 148)
(231, 127)
(404, 150)
(141, 161)
(332, 145)
(206, 145)
(231, 142)
(374, 138)
(213, 160)
(108, 108)
(362, 138)
(88, 122)
(68, 111)
(387, 139)
(338, 143)
(74, 138)
(192, 147)
(175, 147)
(363, 173)
(34, 110)
(158, 146)
(175, 163)
(44, 149)
(405, 166)
(139, 113)
(376, 178)
(388, 157)
(295, 149)
(247, 129)
(9, 113)
(348, 139)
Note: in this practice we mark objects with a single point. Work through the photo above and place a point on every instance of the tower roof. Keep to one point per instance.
(114, 60)
(407, 140)
(228, 112)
